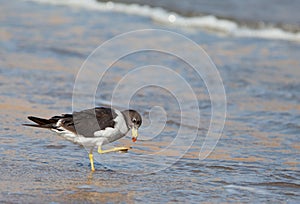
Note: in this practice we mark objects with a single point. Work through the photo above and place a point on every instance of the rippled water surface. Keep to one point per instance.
(256, 160)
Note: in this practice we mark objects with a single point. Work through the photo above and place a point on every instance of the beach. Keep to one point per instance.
(46, 44)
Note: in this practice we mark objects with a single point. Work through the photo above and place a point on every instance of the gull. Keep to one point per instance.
(93, 127)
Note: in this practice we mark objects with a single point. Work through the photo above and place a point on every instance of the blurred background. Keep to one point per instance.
(255, 46)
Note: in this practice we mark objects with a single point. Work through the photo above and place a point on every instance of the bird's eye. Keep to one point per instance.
(134, 120)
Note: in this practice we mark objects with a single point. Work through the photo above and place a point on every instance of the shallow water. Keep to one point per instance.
(256, 160)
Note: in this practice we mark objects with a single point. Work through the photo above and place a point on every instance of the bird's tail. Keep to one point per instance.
(40, 122)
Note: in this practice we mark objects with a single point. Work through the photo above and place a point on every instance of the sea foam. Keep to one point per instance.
(223, 26)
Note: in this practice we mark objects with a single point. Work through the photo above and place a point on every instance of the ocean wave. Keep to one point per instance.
(223, 26)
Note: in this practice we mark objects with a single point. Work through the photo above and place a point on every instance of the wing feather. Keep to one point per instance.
(85, 122)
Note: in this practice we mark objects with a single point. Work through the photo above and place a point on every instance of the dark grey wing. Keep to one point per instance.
(88, 121)
(84, 122)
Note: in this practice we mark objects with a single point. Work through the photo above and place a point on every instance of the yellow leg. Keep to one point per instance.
(92, 161)
(116, 149)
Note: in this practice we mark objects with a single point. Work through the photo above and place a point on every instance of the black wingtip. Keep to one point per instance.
(32, 118)
(31, 125)
(40, 121)
(38, 126)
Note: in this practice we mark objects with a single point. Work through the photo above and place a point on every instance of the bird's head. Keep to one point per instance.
(134, 121)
